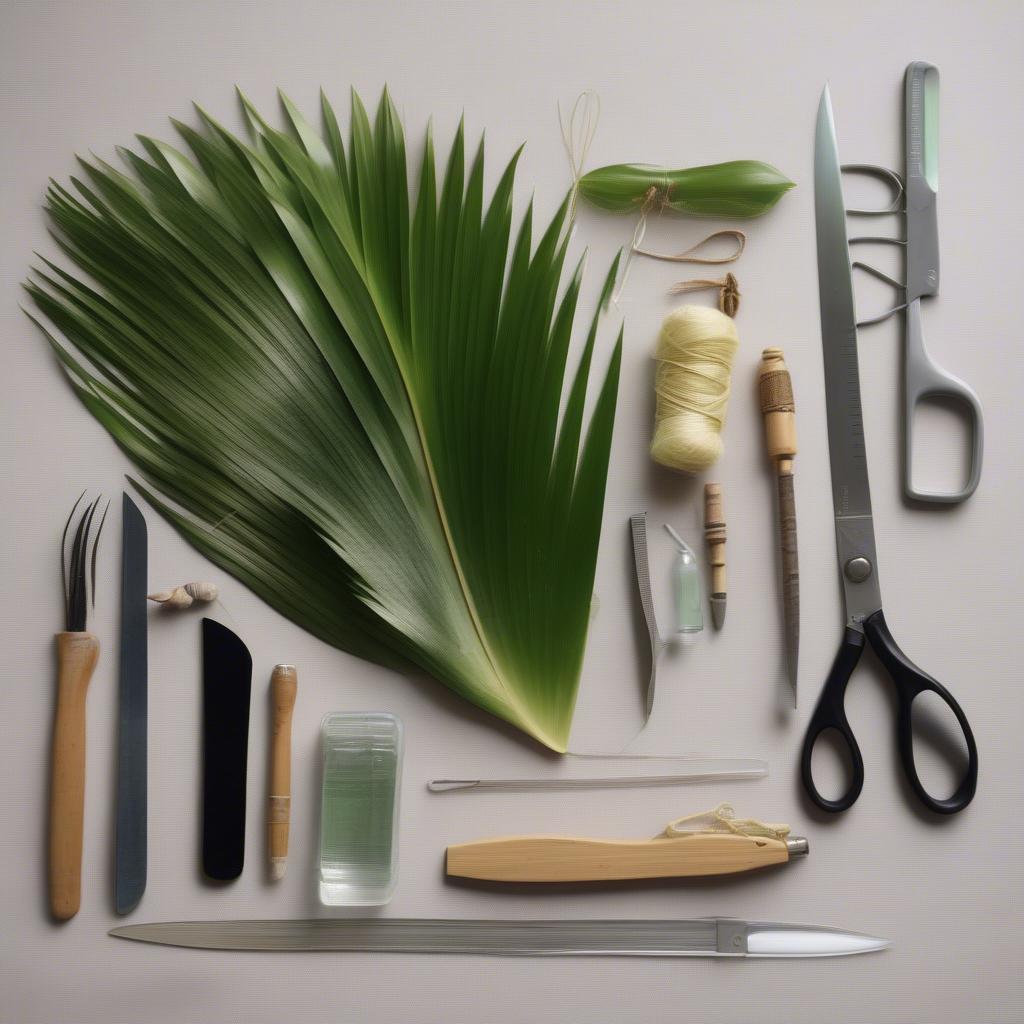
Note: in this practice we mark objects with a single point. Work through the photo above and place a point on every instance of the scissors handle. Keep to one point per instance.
(923, 379)
(910, 682)
(830, 713)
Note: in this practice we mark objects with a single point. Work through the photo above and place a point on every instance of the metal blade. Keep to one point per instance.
(130, 860)
(850, 492)
(718, 610)
(851, 495)
(708, 937)
(922, 178)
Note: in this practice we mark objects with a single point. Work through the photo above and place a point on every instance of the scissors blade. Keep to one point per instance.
(851, 495)
(921, 88)
(850, 492)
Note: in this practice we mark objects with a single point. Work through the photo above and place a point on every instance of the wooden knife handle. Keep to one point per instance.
(568, 859)
(284, 683)
(77, 654)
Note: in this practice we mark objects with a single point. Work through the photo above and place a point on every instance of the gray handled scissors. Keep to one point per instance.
(915, 197)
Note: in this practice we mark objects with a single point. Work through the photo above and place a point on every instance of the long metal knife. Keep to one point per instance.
(706, 937)
(130, 862)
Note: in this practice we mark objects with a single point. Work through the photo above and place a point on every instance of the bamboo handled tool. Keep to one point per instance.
(714, 535)
(712, 843)
(284, 685)
(77, 654)
(779, 411)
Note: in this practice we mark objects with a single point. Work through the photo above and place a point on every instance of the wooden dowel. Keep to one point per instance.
(714, 535)
(284, 685)
(77, 654)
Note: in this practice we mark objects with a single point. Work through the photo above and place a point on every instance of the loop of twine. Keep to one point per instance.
(690, 255)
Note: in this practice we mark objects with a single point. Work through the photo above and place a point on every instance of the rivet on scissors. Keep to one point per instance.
(857, 569)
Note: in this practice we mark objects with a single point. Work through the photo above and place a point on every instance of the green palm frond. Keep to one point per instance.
(354, 402)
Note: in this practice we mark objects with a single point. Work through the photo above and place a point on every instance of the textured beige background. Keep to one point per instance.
(682, 83)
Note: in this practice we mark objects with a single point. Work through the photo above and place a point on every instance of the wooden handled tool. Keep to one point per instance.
(77, 654)
(567, 859)
(779, 410)
(284, 685)
(714, 535)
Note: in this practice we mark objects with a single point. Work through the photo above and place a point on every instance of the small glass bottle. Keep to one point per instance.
(686, 588)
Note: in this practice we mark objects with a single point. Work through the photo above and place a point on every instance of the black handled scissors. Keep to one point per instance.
(855, 535)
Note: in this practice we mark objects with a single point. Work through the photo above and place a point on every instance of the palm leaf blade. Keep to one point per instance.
(349, 399)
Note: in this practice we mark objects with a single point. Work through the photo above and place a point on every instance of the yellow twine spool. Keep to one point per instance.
(692, 384)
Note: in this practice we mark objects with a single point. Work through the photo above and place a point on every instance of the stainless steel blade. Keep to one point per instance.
(851, 495)
(130, 858)
(922, 178)
(707, 937)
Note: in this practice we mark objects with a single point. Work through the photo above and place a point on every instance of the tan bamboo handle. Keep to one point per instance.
(568, 859)
(779, 410)
(714, 535)
(284, 683)
(77, 654)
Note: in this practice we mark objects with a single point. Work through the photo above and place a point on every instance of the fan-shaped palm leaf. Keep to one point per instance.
(349, 400)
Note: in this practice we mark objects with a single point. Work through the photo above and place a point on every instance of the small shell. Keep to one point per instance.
(202, 591)
(176, 598)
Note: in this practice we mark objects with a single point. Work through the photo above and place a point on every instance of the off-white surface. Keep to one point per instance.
(681, 83)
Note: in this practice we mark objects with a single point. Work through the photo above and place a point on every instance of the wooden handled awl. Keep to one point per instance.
(714, 535)
(569, 859)
(284, 685)
(77, 654)
(779, 412)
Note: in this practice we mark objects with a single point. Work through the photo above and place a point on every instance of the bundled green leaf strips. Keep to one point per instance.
(351, 399)
(738, 188)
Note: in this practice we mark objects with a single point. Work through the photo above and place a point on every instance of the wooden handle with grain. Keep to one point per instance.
(568, 859)
(284, 682)
(77, 654)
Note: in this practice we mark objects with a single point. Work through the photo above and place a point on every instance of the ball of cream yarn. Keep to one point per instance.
(692, 383)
